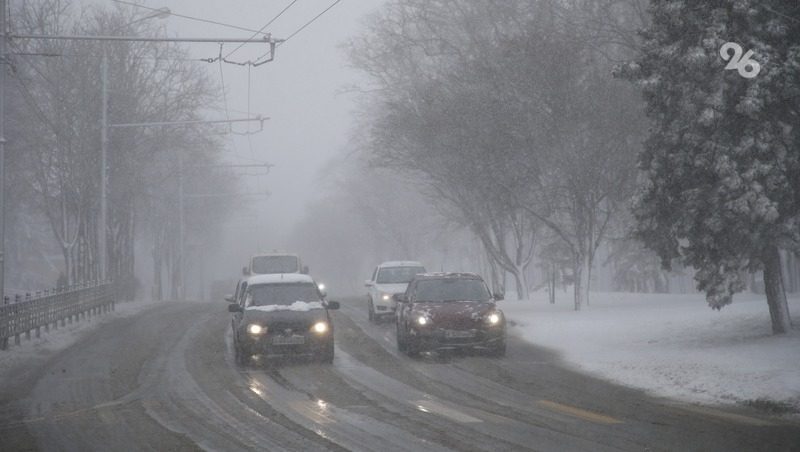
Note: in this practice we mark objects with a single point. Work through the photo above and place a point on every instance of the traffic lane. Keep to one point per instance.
(80, 403)
(403, 380)
(532, 381)
(157, 381)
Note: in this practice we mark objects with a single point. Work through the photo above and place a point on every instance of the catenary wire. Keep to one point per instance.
(261, 30)
(198, 19)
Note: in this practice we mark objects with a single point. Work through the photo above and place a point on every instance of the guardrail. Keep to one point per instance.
(53, 307)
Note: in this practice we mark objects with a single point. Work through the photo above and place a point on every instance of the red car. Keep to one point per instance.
(449, 311)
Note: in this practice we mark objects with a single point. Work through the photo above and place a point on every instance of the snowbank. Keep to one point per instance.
(671, 345)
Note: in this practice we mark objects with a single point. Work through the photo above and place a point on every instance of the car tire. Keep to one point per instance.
(371, 313)
(326, 355)
(242, 359)
(401, 343)
(412, 348)
(499, 350)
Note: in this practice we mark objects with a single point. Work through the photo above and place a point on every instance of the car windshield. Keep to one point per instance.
(398, 275)
(440, 290)
(275, 264)
(282, 294)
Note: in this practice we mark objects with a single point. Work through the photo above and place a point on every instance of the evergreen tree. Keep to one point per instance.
(723, 155)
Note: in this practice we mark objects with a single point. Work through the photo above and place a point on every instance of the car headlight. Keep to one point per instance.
(256, 329)
(494, 318)
(320, 327)
(386, 297)
(423, 320)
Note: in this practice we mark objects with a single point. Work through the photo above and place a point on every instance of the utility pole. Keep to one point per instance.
(3, 69)
(102, 233)
(181, 229)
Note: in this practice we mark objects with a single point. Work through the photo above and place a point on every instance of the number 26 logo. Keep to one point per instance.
(745, 66)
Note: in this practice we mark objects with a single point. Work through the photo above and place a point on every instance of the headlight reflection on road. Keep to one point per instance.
(255, 389)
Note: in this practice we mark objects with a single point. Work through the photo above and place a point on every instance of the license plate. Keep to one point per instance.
(288, 340)
(455, 334)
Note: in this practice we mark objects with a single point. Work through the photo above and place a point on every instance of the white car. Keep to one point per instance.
(388, 279)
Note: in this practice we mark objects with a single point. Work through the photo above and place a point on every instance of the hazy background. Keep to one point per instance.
(306, 93)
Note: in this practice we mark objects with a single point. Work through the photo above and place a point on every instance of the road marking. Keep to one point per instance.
(578, 412)
(429, 406)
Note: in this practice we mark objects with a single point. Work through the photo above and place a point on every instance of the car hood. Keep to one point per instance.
(307, 317)
(391, 288)
(455, 314)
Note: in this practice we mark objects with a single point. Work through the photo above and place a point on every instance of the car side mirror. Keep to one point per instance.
(368, 283)
(229, 298)
(332, 305)
(498, 296)
(245, 271)
(323, 292)
(400, 298)
(305, 269)
(233, 307)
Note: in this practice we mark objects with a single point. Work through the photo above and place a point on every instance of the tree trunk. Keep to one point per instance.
(582, 265)
(521, 283)
(552, 284)
(776, 295)
(158, 292)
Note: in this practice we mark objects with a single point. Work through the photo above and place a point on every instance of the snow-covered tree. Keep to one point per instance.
(723, 155)
(507, 111)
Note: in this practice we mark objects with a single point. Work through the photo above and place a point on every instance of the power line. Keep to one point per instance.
(261, 30)
(295, 33)
(198, 19)
(310, 21)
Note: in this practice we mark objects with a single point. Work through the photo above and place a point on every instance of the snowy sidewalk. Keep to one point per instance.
(63, 337)
(671, 345)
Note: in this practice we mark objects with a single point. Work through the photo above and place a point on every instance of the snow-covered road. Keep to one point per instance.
(165, 380)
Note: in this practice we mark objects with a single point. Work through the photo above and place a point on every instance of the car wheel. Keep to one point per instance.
(412, 348)
(401, 343)
(242, 359)
(499, 350)
(371, 313)
(326, 355)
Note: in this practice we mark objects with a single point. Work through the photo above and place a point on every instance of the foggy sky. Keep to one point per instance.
(301, 91)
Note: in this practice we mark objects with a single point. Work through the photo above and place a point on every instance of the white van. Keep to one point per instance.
(265, 264)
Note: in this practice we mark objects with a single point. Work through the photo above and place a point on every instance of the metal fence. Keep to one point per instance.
(53, 308)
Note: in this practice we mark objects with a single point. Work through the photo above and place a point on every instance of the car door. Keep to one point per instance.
(404, 308)
(371, 289)
(237, 316)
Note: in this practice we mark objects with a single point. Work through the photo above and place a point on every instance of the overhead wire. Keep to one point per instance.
(309, 22)
(259, 61)
(198, 19)
(261, 30)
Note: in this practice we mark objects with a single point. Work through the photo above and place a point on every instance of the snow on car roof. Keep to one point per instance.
(277, 278)
(400, 264)
(442, 275)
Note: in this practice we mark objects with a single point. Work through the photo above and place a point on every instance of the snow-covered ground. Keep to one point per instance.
(670, 345)
(61, 338)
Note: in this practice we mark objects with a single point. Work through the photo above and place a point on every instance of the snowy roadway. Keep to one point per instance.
(165, 380)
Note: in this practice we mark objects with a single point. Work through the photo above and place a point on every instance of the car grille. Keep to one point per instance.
(288, 328)
(458, 323)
